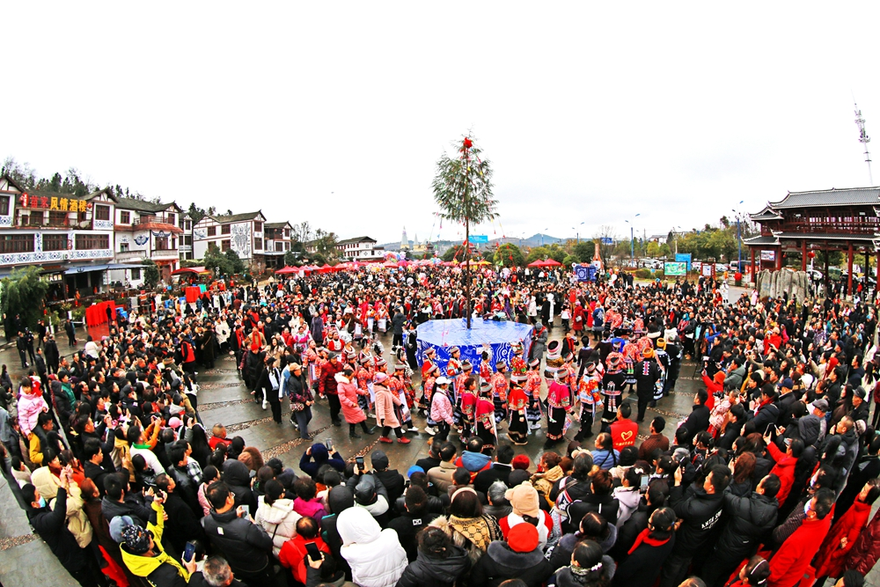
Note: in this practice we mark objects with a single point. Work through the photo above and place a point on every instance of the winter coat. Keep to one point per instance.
(628, 499)
(472, 534)
(788, 565)
(784, 469)
(501, 563)
(278, 520)
(866, 550)
(375, 556)
(697, 420)
(51, 526)
(606, 506)
(29, 408)
(161, 569)
(427, 571)
(78, 523)
(348, 398)
(699, 512)
(293, 553)
(641, 567)
(749, 518)
(385, 402)
(561, 555)
(243, 544)
(829, 560)
(565, 578)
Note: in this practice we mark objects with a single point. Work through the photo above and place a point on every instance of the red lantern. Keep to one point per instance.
(811, 255)
(467, 143)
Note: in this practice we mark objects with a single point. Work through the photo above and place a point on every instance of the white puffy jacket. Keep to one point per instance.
(278, 520)
(375, 556)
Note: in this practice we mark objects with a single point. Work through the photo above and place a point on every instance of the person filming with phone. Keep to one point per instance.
(245, 545)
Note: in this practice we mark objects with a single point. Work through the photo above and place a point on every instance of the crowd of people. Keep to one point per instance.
(768, 481)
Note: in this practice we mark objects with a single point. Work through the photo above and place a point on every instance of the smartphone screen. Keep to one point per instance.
(189, 551)
(360, 462)
(242, 511)
(645, 480)
(313, 551)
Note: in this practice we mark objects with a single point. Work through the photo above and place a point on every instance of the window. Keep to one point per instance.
(36, 218)
(258, 226)
(286, 233)
(172, 218)
(102, 212)
(17, 243)
(135, 274)
(57, 218)
(91, 242)
(125, 217)
(212, 231)
(54, 242)
(279, 247)
(258, 243)
(225, 229)
(161, 243)
(226, 244)
(123, 247)
(4, 205)
(188, 240)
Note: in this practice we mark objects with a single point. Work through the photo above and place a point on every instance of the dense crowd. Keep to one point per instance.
(769, 480)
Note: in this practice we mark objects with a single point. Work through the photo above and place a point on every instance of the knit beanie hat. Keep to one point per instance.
(523, 538)
(521, 462)
(136, 539)
(524, 500)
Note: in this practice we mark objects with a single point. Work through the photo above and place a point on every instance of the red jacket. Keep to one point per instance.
(784, 469)
(829, 560)
(293, 555)
(866, 549)
(793, 558)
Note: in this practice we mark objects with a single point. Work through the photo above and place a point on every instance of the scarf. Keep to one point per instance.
(476, 530)
(645, 536)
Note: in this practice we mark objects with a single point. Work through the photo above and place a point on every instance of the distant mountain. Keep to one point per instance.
(530, 242)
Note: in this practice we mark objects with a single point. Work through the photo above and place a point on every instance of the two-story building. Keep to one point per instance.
(362, 248)
(276, 243)
(242, 233)
(185, 245)
(146, 230)
(68, 236)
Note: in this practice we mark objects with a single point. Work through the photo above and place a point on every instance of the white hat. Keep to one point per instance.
(442, 381)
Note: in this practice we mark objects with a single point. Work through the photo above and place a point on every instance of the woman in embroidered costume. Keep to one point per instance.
(533, 390)
(590, 400)
(558, 405)
(517, 426)
(485, 416)
(499, 388)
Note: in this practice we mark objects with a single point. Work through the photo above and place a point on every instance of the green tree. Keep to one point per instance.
(291, 259)
(537, 254)
(151, 273)
(509, 255)
(463, 190)
(583, 252)
(235, 261)
(23, 293)
(223, 263)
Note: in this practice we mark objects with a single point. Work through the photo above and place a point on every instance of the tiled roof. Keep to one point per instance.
(832, 197)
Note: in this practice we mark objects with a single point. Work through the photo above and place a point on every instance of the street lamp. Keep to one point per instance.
(632, 238)
(675, 232)
(577, 233)
(738, 240)
(542, 235)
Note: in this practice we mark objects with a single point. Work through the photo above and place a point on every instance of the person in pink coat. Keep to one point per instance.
(30, 405)
(348, 400)
(385, 402)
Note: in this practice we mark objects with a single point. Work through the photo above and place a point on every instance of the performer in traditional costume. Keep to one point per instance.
(468, 402)
(589, 399)
(453, 366)
(428, 389)
(499, 388)
(612, 388)
(517, 400)
(558, 405)
(485, 416)
(533, 390)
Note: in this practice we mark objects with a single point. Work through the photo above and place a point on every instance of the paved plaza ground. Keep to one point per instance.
(224, 399)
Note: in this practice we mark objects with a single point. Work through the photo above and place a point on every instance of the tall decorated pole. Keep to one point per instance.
(463, 190)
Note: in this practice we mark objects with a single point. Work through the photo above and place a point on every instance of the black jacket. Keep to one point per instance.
(407, 527)
(699, 512)
(245, 545)
(697, 420)
(606, 506)
(498, 472)
(51, 526)
(767, 415)
(748, 519)
(640, 569)
(133, 505)
(428, 571)
(500, 563)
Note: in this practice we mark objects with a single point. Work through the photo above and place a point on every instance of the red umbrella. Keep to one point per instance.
(390, 264)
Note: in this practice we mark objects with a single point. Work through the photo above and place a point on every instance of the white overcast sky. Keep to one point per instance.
(336, 112)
